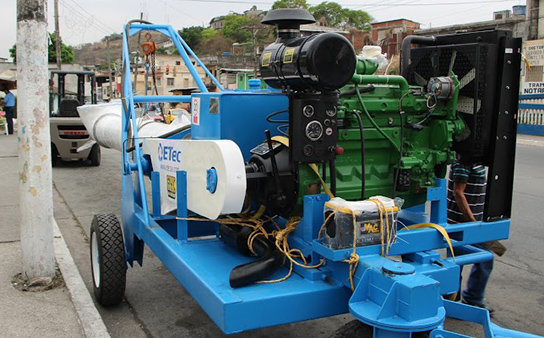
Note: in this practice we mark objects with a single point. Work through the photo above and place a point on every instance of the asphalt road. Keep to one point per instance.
(157, 305)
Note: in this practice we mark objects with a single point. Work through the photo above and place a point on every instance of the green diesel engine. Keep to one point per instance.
(399, 136)
(362, 134)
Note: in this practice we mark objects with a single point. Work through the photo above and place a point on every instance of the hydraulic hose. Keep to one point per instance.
(406, 60)
(381, 79)
(362, 90)
(246, 274)
(362, 135)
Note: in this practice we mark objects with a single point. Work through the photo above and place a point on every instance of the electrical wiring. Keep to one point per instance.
(363, 169)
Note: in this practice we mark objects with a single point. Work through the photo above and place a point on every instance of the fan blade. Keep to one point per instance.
(452, 61)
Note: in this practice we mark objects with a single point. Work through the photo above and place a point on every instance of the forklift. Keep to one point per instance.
(68, 134)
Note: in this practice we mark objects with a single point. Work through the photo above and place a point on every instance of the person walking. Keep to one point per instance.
(9, 108)
(466, 199)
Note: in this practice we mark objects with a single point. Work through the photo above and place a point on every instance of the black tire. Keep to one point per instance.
(94, 156)
(54, 155)
(357, 329)
(108, 265)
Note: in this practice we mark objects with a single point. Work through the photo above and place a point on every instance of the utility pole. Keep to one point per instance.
(136, 58)
(109, 66)
(57, 35)
(34, 147)
(254, 29)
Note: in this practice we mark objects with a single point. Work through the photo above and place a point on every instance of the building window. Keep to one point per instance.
(159, 82)
(170, 81)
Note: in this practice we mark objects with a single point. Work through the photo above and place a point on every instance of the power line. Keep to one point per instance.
(89, 19)
(93, 16)
(181, 12)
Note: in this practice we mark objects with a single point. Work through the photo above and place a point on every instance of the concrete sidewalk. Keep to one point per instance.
(26, 314)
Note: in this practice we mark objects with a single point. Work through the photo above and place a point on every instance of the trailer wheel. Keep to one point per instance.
(94, 156)
(54, 155)
(108, 264)
(356, 328)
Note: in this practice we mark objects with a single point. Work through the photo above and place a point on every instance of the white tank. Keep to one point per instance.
(103, 121)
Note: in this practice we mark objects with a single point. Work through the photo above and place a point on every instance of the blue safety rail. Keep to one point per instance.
(129, 124)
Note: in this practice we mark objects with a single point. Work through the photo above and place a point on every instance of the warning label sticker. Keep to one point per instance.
(265, 61)
(288, 55)
(171, 186)
(195, 111)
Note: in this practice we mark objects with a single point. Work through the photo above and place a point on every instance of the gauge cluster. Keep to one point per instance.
(313, 133)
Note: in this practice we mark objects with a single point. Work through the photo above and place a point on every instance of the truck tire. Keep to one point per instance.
(54, 155)
(108, 263)
(95, 156)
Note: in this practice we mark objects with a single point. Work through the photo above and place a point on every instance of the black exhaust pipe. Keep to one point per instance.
(406, 60)
(270, 259)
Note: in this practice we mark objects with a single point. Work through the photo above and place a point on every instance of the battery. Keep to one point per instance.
(375, 222)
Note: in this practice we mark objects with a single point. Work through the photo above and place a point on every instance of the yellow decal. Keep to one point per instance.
(371, 228)
(288, 55)
(171, 186)
(266, 59)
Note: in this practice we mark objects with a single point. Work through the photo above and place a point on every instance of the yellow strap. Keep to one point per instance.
(281, 139)
(285, 141)
(325, 186)
(437, 227)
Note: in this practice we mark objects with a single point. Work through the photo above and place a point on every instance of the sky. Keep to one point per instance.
(83, 21)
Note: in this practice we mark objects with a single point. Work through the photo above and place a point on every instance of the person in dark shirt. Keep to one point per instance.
(466, 199)
(9, 107)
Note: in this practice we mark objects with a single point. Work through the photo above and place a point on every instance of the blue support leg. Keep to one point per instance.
(181, 193)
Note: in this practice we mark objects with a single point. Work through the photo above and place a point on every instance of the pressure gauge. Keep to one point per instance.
(331, 112)
(308, 110)
(314, 130)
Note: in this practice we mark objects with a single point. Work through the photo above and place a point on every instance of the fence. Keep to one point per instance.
(531, 115)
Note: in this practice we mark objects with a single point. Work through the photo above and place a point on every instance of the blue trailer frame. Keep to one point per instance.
(397, 298)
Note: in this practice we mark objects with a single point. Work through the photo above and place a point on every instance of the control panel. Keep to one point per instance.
(313, 127)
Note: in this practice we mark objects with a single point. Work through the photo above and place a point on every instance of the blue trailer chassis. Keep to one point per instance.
(396, 297)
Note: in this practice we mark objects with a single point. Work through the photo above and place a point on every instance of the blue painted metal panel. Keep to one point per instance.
(416, 240)
(203, 267)
(162, 98)
(395, 302)
(239, 112)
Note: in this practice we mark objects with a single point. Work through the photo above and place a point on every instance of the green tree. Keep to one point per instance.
(192, 36)
(67, 53)
(333, 15)
(358, 19)
(290, 4)
(235, 27)
(209, 33)
(162, 51)
(329, 13)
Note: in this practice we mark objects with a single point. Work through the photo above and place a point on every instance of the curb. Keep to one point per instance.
(530, 142)
(89, 318)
